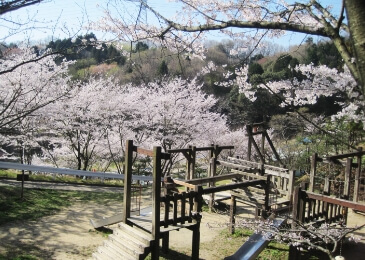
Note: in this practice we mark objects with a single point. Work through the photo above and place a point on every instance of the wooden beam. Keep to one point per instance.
(184, 183)
(178, 150)
(346, 155)
(252, 175)
(341, 202)
(277, 174)
(273, 148)
(215, 178)
(164, 156)
(232, 186)
(237, 166)
(208, 148)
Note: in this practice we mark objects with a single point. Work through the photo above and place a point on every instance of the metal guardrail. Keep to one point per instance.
(47, 169)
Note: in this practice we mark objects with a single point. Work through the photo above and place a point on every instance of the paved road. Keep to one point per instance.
(60, 186)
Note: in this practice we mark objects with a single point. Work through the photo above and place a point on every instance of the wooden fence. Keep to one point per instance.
(309, 207)
(350, 180)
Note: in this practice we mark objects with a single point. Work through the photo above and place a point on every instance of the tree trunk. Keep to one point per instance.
(355, 15)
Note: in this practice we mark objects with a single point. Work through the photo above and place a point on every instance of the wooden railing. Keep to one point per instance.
(311, 207)
(178, 203)
(352, 172)
(281, 178)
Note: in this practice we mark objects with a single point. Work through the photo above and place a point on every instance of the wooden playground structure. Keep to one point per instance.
(177, 203)
(269, 188)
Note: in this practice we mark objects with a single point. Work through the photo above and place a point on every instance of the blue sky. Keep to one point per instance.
(70, 15)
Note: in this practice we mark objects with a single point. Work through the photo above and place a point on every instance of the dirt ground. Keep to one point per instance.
(69, 234)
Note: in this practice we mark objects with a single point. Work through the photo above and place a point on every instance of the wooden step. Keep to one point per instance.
(136, 232)
(124, 238)
(99, 256)
(107, 254)
(125, 246)
(127, 243)
(121, 252)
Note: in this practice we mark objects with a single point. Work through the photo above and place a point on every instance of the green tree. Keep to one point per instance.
(163, 70)
(255, 68)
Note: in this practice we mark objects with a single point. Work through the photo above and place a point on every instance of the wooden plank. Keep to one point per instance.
(184, 183)
(245, 162)
(242, 173)
(277, 174)
(107, 221)
(213, 179)
(164, 156)
(232, 186)
(237, 166)
(341, 202)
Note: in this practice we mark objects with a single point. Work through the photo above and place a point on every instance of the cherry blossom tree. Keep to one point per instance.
(80, 123)
(173, 113)
(185, 31)
(100, 115)
(28, 88)
(25, 90)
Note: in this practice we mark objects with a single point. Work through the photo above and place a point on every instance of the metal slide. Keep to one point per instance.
(251, 249)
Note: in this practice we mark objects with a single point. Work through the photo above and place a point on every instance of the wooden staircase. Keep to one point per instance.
(127, 243)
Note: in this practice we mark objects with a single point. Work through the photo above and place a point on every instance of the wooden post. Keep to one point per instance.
(293, 251)
(188, 165)
(165, 242)
(357, 177)
(192, 162)
(127, 180)
(346, 188)
(313, 171)
(156, 197)
(198, 199)
(196, 241)
(213, 172)
(267, 195)
(326, 191)
(291, 185)
(210, 156)
(249, 145)
(263, 145)
(233, 208)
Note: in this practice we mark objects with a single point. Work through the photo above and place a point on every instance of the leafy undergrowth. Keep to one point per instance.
(37, 203)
